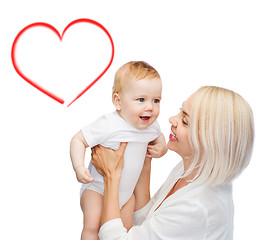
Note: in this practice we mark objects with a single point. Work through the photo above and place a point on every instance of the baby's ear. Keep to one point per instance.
(116, 101)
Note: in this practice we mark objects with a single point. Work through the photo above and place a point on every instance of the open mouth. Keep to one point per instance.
(145, 118)
(173, 135)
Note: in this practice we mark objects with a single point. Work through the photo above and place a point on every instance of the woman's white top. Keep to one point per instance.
(193, 212)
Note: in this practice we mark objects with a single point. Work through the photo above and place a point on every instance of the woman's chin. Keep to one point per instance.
(170, 147)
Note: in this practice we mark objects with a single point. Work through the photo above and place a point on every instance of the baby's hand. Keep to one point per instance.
(157, 150)
(83, 175)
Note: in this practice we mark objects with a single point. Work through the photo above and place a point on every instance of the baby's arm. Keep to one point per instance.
(78, 147)
(157, 148)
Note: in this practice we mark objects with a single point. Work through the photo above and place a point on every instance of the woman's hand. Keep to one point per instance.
(108, 162)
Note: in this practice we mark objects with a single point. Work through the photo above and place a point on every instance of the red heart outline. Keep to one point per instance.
(46, 25)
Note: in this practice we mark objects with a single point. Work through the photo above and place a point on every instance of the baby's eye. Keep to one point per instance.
(156, 101)
(140, 99)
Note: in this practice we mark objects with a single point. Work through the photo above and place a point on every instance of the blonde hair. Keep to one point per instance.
(221, 135)
(135, 70)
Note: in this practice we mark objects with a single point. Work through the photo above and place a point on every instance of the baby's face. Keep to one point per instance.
(140, 102)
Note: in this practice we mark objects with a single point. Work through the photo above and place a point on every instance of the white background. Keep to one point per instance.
(190, 43)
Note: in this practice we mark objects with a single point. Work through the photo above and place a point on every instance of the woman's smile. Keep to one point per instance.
(172, 136)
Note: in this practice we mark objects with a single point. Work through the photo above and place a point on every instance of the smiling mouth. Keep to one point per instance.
(145, 118)
(173, 135)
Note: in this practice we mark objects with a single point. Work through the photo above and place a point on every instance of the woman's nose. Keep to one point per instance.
(173, 120)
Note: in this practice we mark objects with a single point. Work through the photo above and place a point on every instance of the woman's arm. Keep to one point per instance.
(157, 148)
(111, 209)
(109, 164)
(142, 188)
(171, 221)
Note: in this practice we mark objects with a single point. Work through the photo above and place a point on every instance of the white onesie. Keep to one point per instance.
(109, 131)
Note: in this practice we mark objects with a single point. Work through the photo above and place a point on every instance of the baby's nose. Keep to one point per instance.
(149, 106)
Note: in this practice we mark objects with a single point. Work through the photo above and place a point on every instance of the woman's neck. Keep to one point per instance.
(187, 162)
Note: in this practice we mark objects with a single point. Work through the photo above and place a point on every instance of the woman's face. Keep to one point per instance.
(179, 136)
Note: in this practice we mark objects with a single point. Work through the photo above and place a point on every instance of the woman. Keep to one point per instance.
(213, 133)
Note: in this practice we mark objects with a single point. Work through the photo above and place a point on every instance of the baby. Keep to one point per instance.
(136, 96)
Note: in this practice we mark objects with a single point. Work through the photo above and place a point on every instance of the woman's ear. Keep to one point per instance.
(116, 101)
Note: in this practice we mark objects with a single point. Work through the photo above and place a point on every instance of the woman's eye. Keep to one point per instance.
(184, 122)
(140, 99)
(156, 101)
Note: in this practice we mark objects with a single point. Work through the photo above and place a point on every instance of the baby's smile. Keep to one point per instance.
(145, 118)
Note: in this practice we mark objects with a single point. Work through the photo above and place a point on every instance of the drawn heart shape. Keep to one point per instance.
(60, 36)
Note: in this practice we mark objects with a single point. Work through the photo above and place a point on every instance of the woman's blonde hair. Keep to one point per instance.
(221, 135)
(135, 70)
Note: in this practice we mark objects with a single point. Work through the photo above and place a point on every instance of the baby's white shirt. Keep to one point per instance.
(109, 131)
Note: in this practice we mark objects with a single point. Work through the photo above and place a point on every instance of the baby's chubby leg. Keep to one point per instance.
(91, 205)
(127, 212)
